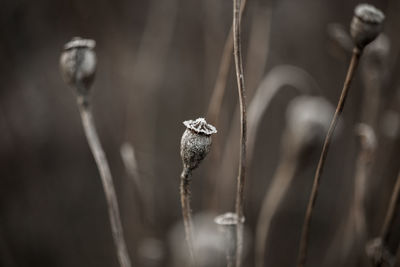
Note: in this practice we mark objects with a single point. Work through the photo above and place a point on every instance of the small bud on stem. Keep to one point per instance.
(78, 65)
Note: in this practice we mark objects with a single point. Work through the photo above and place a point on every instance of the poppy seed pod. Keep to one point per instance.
(78, 64)
(308, 119)
(227, 223)
(196, 142)
(366, 24)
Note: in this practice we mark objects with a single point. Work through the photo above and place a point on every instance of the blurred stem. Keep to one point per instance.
(106, 179)
(272, 199)
(302, 257)
(223, 71)
(243, 128)
(393, 207)
(186, 211)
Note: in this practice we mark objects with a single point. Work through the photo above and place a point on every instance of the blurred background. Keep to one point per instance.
(158, 62)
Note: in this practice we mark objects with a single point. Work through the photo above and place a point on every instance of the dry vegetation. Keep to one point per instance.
(267, 74)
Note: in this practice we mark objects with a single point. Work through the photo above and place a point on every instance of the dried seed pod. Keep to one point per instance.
(228, 223)
(378, 253)
(78, 64)
(196, 142)
(308, 119)
(366, 24)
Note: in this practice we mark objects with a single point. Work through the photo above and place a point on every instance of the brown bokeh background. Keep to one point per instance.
(157, 65)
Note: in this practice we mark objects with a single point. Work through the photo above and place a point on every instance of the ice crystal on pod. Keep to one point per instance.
(200, 126)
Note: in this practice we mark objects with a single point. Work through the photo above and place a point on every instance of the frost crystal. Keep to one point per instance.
(78, 42)
(200, 126)
(369, 14)
(228, 219)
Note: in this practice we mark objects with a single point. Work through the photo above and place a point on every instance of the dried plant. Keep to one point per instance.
(78, 66)
(222, 77)
(382, 250)
(275, 80)
(228, 224)
(307, 123)
(365, 27)
(237, 52)
(195, 145)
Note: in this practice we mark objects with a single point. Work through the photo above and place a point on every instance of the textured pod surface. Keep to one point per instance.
(78, 63)
(196, 142)
(194, 148)
(366, 24)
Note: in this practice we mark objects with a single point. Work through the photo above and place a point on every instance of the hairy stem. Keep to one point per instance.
(107, 181)
(302, 257)
(186, 211)
(243, 128)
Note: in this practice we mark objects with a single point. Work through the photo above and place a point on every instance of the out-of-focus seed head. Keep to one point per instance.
(210, 243)
(366, 24)
(227, 223)
(196, 142)
(228, 219)
(78, 64)
(379, 254)
(307, 121)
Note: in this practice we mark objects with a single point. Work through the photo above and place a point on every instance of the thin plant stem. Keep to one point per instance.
(385, 251)
(393, 206)
(243, 128)
(302, 257)
(215, 104)
(107, 181)
(187, 212)
(222, 77)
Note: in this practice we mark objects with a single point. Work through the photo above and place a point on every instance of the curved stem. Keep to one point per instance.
(186, 211)
(302, 257)
(223, 71)
(276, 191)
(243, 128)
(106, 179)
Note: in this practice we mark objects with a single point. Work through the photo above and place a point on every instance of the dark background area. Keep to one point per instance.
(157, 65)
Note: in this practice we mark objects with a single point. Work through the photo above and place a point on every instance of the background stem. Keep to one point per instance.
(106, 179)
(390, 215)
(272, 199)
(302, 257)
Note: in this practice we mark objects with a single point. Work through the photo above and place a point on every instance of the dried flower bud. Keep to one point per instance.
(78, 64)
(378, 253)
(366, 24)
(196, 142)
(227, 223)
(308, 119)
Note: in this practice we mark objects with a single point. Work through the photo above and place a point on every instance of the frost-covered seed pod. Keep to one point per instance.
(366, 24)
(196, 142)
(78, 64)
